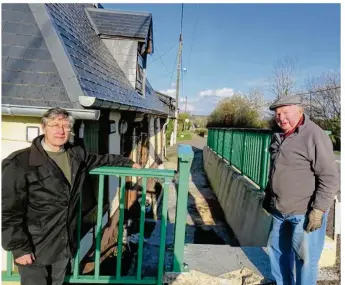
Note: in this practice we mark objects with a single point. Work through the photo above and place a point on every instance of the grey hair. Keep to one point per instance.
(53, 113)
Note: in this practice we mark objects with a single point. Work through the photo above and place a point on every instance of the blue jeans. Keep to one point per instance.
(289, 243)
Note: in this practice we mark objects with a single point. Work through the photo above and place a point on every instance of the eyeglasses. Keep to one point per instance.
(56, 127)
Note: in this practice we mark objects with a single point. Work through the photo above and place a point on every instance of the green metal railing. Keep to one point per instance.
(246, 149)
(185, 157)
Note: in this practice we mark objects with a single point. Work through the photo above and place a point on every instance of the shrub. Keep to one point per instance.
(201, 131)
(235, 111)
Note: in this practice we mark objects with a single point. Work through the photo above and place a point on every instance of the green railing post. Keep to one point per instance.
(243, 151)
(264, 162)
(231, 145)
(224, 131)
(185, 158)
(164, 222)
(120, 233)
(142, 225)
(99, 225)
(9, 264)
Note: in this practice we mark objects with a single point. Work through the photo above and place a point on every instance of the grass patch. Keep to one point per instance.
(184, 136)
(337, 152)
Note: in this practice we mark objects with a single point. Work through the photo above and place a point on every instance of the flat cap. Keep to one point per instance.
(286, 101)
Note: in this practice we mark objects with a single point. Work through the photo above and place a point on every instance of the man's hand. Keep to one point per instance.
(25, 259)
(314, 220)
(136, 165)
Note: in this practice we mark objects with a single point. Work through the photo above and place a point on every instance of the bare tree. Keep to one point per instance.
(284, 77)
(256, 100)
(322, 102)
(323, 98)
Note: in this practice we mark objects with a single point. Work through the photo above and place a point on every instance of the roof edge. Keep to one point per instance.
(91, 21)
(93, 102)
(119, 12)
(58, 52)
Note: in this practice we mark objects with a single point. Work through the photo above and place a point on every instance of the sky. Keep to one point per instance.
(231, 48)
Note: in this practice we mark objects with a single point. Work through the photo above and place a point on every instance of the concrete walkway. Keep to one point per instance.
(211, 246)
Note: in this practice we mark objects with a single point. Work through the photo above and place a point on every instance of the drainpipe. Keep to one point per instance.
(159, 139)
(31, 111)
(151, 138)
(164, 130)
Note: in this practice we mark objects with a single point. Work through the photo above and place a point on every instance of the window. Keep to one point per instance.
(140, 71)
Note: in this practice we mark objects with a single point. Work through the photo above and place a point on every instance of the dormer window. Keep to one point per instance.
(129, 38)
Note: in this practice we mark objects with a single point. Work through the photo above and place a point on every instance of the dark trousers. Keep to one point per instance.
(35, 274)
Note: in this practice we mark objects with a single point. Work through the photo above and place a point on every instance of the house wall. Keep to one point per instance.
(125, 53)
(13, 138)
(14, 133)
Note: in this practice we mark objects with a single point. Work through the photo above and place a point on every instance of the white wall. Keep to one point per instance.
(13, 136)
(125, 53)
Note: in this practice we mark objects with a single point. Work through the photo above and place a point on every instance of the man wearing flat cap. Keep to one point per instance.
(303, 180)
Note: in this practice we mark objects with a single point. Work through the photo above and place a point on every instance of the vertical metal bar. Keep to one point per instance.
(99, 224)
(216, 142)
(163, 230)
(208, 138)
(9, 264)
(223, 143)
(231, 146)
(255, 158)
(120, 234)
(243, 150)
(246, 157)
(142, 223)
(264, 162)
(77, 256)
(213, 138)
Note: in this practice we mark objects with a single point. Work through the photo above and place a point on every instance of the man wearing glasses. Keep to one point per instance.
(41, 187)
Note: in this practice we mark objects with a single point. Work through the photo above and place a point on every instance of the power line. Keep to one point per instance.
(317, 91)
(182, 19)
(172, 73)
(163, 53)
(160, 57)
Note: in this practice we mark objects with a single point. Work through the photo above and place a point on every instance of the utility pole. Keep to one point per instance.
(177, 89)
(185, 105)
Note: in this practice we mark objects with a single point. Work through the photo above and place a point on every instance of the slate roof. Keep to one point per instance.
(95, 69)
(119, 23)
(29, 75)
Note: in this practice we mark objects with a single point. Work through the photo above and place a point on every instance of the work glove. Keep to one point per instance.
(314, 220)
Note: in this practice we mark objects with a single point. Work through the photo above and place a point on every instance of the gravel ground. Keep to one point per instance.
(337, 268)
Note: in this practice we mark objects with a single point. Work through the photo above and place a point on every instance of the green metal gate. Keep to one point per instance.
(185, 157)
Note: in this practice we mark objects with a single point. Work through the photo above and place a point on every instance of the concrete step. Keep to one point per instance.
(225, 260)
(243, 276)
